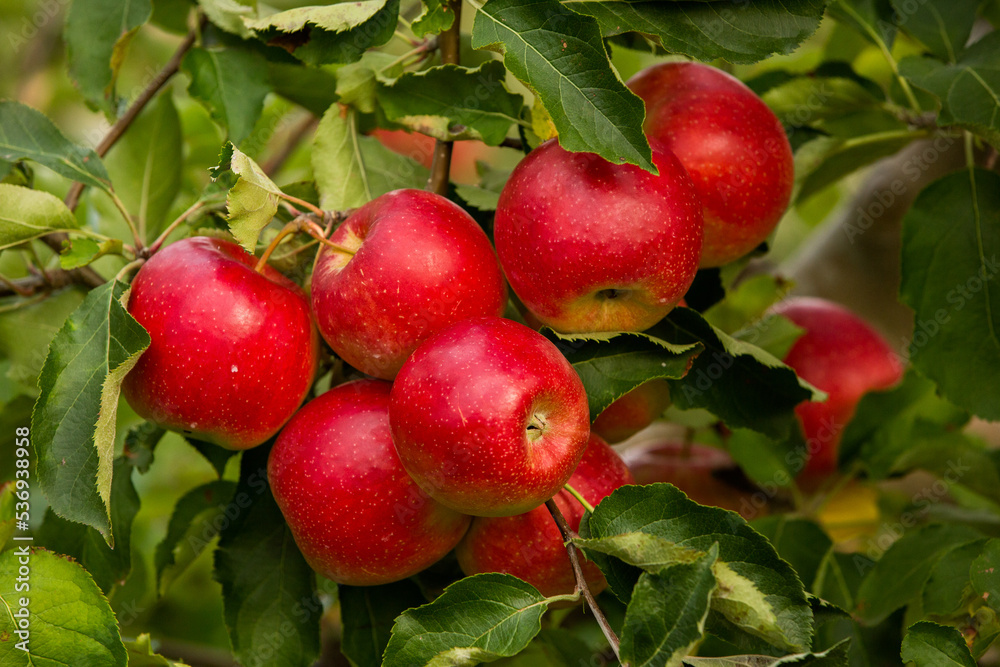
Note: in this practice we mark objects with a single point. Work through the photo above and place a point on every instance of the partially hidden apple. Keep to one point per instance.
(588, 245)
(731, 144)
(489, 418)
(413, 263)
(355, 514)
(420, 148)
(633, 412)
(529, 546)
(845, 357)
(232, 352)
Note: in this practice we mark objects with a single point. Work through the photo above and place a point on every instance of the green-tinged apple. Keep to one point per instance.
(489, 418)
(355, 514)
(232, 352)
(697, 470)
(588, 245)
(420, 147)
(529, 546)
(842, 355)
(413, 263)
(731, 144)
(633, 412)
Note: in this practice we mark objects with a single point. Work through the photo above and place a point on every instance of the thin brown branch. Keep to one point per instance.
(450, 45)
(513, 142)
(568, 534)
(39, 283)
(300, 132)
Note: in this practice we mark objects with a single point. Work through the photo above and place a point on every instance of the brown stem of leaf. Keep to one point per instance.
(450, 45)
(569, 534)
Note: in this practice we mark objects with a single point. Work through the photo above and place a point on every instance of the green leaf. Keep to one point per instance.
(231, 84)
(969, 90)
(310, 87)
(656, 526)
(942, 25)
(477, 619)
(97, 36)
(949, 279)
(985, 574)
(871, 18)
(338, 33)
(357, 84)
(449, 102)
(140, 654)
(79, 252)
(801, 542)
(738, 32)
(252, 202)
(7, 513)
(71, 623)
(435, 17)
(268, 589)
(560, 55)
(745, 304)
(931, 645)
(368, 614)
(665, 620)
(73, 423)
(229, 15)
(27, 133)
(948, 590)
(775, 334)
(899, 576)
(742, 384)
(29, 214)
(108, 566)
(824, 160)
(217, 456)
(807, 99)
(553, 647)
(351, 170)
(767, 461)
(613, 364)
(835, 656)
(840, 576)
(194, 523)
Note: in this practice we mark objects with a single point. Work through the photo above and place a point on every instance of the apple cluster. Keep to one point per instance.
(465, 423)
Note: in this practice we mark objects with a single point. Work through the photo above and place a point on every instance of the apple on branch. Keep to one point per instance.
(633, 412)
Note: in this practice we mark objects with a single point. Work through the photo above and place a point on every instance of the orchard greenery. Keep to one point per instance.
(231, 119)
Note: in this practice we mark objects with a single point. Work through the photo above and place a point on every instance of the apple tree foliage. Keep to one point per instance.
(218, 113)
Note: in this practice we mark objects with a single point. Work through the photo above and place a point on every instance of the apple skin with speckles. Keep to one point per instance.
(633, 412)
(845, 357)
(588, 245)
(355, 514)
(731, 144)
(529, 546)
(232, 353)
(420, 263)
(489, 418)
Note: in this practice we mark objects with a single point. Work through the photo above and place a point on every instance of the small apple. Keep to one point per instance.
(731, 144)
(842, 355)
(489, 418)
(419, 263)
(694, 469)
(232, 351)
(355, 514)
(420, 148)
(589, 245)
(633, 412)
(529, 546)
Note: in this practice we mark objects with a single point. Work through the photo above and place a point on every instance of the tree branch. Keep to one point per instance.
(569, 534)
(450, 45)
(39, 283)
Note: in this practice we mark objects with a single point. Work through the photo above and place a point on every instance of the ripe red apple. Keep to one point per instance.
(355, 514)
(593, 246)
(489, 418)
(844, 356)
(420, 263)
(731, 144)
(692, 468)
(420, 148)
(633, 412)
(232, 351)
(529, 546)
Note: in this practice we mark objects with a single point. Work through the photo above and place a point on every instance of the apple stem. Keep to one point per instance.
(568, 535)
(303, 203)
(155, 245)
(579, 497)
(299, 224)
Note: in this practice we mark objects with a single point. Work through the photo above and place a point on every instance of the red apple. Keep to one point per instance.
(529, 546)
(692, 468)
(420, 263)
(420, 148)
(593, 246)
(633, 412)
(844, 356)
(355, 514)
(732, 145)
(489, 418)
(232, 351)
